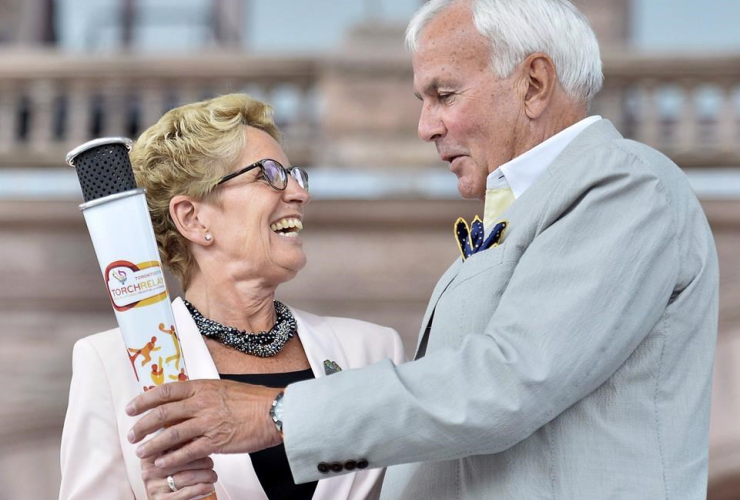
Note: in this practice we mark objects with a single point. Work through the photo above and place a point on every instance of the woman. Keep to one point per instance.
(227, 217)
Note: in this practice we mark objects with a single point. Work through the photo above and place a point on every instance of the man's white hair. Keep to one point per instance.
(518, 28)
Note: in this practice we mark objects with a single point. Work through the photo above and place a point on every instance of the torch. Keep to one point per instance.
(117, 218)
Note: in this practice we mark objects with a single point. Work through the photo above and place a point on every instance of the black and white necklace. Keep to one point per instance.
(261, 344)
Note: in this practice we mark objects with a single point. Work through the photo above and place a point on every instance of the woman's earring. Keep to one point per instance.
(209, 237)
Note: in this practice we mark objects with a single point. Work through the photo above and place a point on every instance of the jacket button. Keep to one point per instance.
(336, 467)
(323, 468)
(350, 465)
(362, 464)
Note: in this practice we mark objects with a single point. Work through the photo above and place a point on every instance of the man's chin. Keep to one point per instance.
(469, 192)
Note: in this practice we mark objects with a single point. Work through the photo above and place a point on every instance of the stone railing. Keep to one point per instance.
(340, 108)
(686, 106)
(51, 102)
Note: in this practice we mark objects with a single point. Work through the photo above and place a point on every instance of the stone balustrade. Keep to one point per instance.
(51, 102)
(686, 106)
(354, 110)
(347, 109)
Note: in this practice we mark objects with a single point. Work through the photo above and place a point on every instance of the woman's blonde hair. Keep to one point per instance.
(186, 152)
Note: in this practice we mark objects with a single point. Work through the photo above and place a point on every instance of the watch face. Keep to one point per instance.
(276, 412)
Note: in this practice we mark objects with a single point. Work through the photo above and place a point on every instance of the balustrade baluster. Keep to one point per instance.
(303, 116)
(727, 121)
(9, 98)
(228, 86)
(42, 97)
(151, 104)
(79, 113)
(648, 123)
(300, 125)
(115, 109)
(610, 103)
(688, 120)
(188, 93)
(267, 92)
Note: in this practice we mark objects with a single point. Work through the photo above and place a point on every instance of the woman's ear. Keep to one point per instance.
(188, 217)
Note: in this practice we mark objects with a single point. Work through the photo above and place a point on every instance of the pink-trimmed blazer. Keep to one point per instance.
(98, 462)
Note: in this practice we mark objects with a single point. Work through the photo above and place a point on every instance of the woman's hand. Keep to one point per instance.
(194, 479)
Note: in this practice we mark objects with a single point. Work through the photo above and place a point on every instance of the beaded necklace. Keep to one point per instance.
(260, 344)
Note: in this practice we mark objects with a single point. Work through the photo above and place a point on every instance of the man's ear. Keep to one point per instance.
(541, 80)
(187, 215)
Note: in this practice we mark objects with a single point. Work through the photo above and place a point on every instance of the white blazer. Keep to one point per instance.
(98, 461)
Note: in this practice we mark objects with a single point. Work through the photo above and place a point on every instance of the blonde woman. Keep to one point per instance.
(227, 210)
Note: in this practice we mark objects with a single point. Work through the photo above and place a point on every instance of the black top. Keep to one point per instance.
(271, 465)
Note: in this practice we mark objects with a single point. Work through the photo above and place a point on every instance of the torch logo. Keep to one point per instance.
(134, 285)
(119, 275)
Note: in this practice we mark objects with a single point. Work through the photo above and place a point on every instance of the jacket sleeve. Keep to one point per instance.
(91, 457)
(586, 291)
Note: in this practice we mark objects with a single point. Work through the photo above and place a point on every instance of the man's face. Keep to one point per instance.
(472, 116)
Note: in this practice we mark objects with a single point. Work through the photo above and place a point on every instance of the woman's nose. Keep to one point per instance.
(294, 193)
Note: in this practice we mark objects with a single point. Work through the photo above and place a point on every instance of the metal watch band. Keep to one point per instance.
(276, 412)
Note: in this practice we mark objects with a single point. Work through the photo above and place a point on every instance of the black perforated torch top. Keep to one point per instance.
(103, 167)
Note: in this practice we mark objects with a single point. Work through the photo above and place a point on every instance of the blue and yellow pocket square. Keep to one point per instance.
(470, 240)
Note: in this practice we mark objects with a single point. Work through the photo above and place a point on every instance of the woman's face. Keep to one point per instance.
(246, 240)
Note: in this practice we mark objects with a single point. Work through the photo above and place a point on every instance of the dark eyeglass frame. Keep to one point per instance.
(284, 172)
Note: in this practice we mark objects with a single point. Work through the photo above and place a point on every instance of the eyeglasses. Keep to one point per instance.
(275, 174)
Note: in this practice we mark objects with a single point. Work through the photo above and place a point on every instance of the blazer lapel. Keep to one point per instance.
(236, 476)
(320, 342)
(442, 285)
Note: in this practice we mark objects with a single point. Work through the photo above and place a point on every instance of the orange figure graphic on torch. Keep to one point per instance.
(180, 377)
(158, 373)
(176, 341)
(145, 351)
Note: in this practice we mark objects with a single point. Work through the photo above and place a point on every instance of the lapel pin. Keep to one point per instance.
(331, 367)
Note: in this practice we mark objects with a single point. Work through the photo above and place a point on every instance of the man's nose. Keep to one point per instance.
(431, 126)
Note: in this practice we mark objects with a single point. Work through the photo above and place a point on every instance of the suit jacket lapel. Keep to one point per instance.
(442, 285)
(321, 343)
(236, 476)
(598, 132)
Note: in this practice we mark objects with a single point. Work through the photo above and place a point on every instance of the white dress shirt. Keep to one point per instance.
(521, 172)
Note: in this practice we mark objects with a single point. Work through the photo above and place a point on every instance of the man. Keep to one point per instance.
(570, 356)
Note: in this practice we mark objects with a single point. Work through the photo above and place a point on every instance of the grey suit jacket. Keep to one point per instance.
(573, 361)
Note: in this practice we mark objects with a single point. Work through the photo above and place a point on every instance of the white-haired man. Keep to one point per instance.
(568, 353)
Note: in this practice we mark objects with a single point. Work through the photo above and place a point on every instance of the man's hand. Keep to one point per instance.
(202, 417)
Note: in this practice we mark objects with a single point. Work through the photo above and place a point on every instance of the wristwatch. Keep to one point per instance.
(276, 412)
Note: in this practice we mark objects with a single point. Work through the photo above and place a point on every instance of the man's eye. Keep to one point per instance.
(446, 97)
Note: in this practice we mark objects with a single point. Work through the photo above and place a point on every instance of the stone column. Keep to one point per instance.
(610, 19)
(27, 22)
(370, 115)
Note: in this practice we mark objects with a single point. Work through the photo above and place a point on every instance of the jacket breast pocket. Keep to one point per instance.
(479, 263)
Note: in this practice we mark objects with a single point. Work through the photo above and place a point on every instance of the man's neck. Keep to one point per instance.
(542, 129)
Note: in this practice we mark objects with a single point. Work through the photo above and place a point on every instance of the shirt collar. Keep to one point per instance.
(522, 171)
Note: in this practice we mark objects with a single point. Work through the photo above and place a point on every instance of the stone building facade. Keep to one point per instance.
(353, 111)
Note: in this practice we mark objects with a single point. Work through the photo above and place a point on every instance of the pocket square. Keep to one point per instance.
(470, 239)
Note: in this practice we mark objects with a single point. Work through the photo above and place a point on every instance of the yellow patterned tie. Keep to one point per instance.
(497, 200)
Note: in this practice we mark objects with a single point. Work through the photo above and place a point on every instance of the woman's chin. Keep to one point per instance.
(290, 263)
